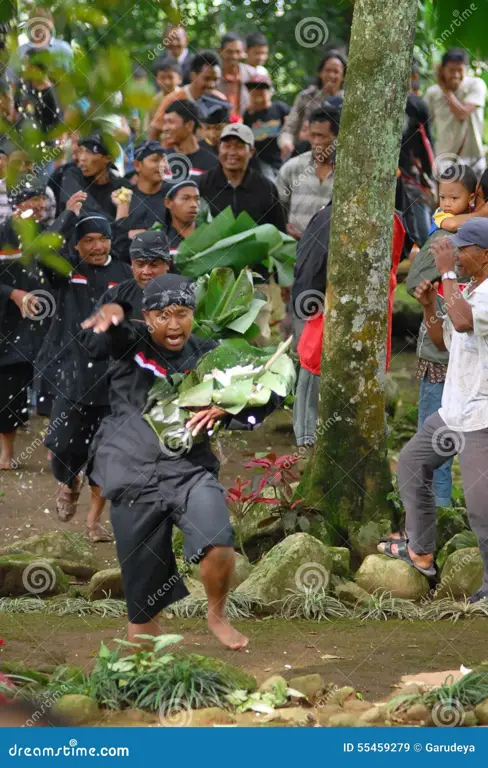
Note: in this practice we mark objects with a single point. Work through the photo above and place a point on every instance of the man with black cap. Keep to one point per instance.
(153, 487)
(266, 118)
(24, 315)
(94, 175)
(215, 115)
(80, 385)
(460, 427)
(150, 257)
(182, 207)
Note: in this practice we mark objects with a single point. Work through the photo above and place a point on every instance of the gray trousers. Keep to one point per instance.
(305, 408)
(424, 453)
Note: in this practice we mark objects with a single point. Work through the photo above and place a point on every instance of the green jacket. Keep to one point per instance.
(424, 268)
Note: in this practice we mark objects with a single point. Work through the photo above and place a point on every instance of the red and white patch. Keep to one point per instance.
(79, 279)
(150, 365)
(112, 285)
(440, 289)
(10, 255)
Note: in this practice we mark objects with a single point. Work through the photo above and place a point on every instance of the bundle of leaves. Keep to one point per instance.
(155, 679)
(239, 242)
(263, 702)
(468, 691)
(233, 376)
(312, 604)
(382, 605)
(227, 306)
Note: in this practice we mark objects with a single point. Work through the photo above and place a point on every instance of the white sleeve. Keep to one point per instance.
(476, 93)
(480, 314)
(447, 331)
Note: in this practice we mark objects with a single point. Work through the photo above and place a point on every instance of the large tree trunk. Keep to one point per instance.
(350, 478)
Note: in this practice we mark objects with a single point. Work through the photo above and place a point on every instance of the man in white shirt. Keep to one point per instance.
(460, 427)
(456, 105)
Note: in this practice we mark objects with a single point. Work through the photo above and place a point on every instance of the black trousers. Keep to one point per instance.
(70, 433)
(14, 409)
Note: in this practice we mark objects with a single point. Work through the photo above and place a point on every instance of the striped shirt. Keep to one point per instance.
(301, 191)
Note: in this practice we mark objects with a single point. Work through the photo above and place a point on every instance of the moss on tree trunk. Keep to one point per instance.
(350, 477)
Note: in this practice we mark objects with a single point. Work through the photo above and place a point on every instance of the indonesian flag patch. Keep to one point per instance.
(79, 279)
(150, 365)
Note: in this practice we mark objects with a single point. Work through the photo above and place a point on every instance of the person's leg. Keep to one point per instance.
(473, 459)
(416, 464)
(209, 539)
(430, 399)
(7, 454)
(96, 531)
(305, 408)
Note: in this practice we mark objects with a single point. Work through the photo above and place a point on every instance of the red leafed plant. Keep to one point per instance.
(274, 472)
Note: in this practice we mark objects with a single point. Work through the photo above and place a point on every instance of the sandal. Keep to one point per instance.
(67, 500)
(98, 533)
(404, 555)
(392, 537)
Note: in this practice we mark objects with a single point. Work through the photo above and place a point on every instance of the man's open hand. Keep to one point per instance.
(107, 315)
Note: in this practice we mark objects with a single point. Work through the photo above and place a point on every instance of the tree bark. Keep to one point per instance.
(350, 477)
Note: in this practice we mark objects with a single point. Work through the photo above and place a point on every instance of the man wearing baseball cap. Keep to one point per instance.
(266, 118)
(233, 183)
(460, 427)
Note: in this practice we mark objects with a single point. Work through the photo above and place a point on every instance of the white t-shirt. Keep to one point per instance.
(460, 137)
(465, 397)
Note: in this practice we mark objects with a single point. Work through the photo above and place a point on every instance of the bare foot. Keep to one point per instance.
(97, 532)
(423, 561)
(226, 634)
(6, 463)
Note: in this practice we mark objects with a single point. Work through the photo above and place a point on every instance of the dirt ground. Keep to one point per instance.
(371, 657)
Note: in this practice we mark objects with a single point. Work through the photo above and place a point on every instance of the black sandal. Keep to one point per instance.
(403, 537)
(404, 555)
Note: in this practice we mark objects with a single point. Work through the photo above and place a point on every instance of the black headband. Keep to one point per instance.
(165, 290)
(150, 245)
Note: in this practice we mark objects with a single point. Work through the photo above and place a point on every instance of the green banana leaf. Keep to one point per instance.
(235, 394)
(243, 323)
(237, 251)
(241, 224)
(231, 352)
(226, 298)
(275, 382)
(207, 234)
(199, 396)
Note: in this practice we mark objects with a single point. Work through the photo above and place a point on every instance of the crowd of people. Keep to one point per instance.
(121, 200)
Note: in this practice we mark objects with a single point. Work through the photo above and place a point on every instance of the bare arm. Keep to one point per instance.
(453, 223)
(425, 293)
(458, 109)
(457, 308)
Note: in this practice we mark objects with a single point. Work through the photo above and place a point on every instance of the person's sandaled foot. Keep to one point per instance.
(398, 550)
(480, 594)
(67, 500)
(225, 632)
(395, 536)
(97, 533)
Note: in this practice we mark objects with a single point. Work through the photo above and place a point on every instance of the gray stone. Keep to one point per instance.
(297, 562)
(345, 720)
(377, 715)
(481, 712)
(107, 583)
(351, 593)
(417, 713)
(379, 572)
(204, 718)
(364, 538)
(73, 551)
(341, 695)
(31, 575)
(310, 685)
(357, 706)
(341, 561)
(462, 573)
(77, 709)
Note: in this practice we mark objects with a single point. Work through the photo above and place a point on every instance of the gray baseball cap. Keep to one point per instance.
(238, 131)
(472, 232)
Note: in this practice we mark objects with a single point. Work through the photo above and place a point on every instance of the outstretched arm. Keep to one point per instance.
(107, 333)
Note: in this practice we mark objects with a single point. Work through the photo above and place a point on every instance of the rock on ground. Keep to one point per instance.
(74, 553)
(379, 572)
(481, 712)
(351, 593)
(76, 709)
(31, 575)
(462, 540)
(310, 685)
(462, 573)
(107, 583)
(297, 562)
(364, 539)
(271, 682)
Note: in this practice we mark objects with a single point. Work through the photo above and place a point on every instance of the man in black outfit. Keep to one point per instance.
(233, 183)
(181, 121)
(94, 175)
